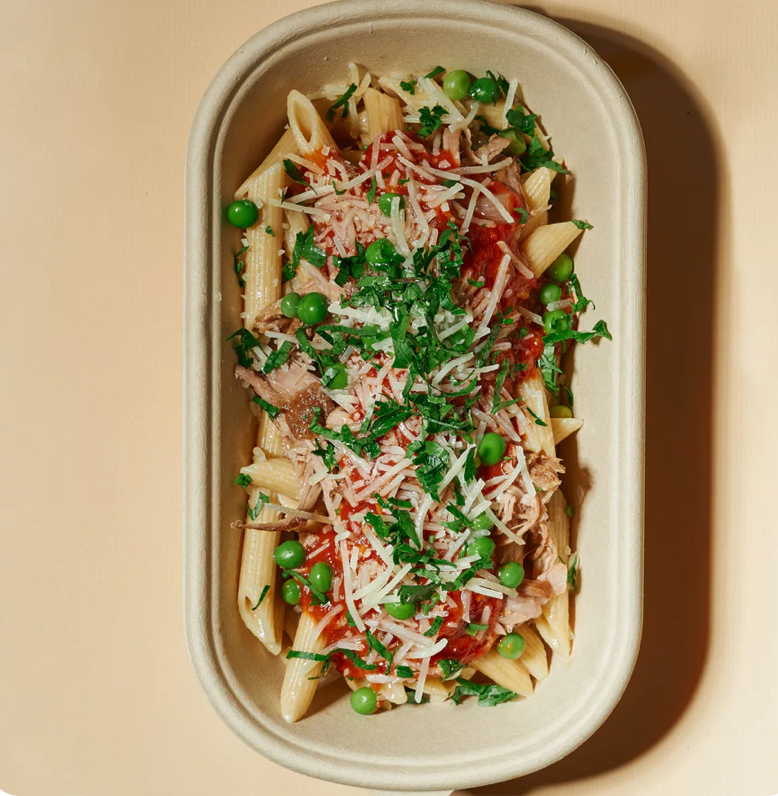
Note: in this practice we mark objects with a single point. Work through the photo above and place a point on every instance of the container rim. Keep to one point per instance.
(197, 378)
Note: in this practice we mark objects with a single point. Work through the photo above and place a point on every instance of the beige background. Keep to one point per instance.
(96, 696)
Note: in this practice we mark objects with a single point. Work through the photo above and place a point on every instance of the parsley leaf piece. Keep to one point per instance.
(336, 189)
(374, 644)
(243, 345)
(404, 671)
(438, 70)
(371, 192)
(434, 627)
(449, 667)
(253, 513)
(240, 266)
(521, 121)
(341, 102)
(416, 594)
(538, 421)
(432, 462)
(319, 595)
(450, 183)
(261, 597)
(572, 569)
(600, 329)
(488, 694)
(307, 656)
(537, 155)
(326, 453)
(522, 214)
(431, 120)
(243, 479)
(582, 224)
(472, 628)
(295, 174)
(269, 230)
(570, 511)
(502, 83)
(357, 661)
(409, 86)
(273, 411)
(277, 358)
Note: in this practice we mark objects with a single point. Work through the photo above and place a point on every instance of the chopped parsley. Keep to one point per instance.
(582, 224)
(431, 120)
(278, 358)
(261, 500)
(572, 569)
(269, 230)
(409, 86)
(273, 411)
(449, 667)
(243, 345)
(488, 694)
(570, 511)
(371, 192)
(538, 421)
(341, 102)
(404, 671)
(261, 597)
(240, 266)
(243, 479)
(437, 623)
(472, 629)
(438, 70)
(295, 174)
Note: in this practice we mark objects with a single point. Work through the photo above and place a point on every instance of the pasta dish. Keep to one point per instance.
(407, 305)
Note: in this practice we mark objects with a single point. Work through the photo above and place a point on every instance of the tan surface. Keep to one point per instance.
(96, 696)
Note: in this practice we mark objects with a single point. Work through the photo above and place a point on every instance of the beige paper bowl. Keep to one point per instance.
(585, 108)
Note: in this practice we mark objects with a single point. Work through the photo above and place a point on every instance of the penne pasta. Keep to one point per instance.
(563, 427)
(383, 113)
(534, 658)
(269, 439)
(275, 475)
(537, 188)
(257, 581)
(509, 674)
(532, 391)
(298, 688)
(546, 243)
(557, 611)
(263, 258)
(310, 133)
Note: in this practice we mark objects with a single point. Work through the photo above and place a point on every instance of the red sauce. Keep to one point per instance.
(461, 645)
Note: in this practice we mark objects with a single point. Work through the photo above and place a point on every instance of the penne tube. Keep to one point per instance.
(383, 113)
(556, 611)
(546, 243)
(263, 258)
(537, 188)
(258, 578)
(534, 658)
(297, 690)
(393, 693)
(286, 145)
(533, 392)
(275, 475)
(437, 690)
(308, 128)
(415, 101)
(268, 438)
(509, 674)
(563, 427)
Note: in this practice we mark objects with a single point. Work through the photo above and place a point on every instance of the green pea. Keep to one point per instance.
(289, 305)
(549, 293)
(456, 84)
(511, 574)
(511, 646)
(380, 251)
(386, 200)
(242, 214)
(312, 308)
(321, 576)
(561, 411)
(400, 610)
(290, 591)
(561, 269)
(556, 321)
(484, 90)
(491, 449)
(364, 701)
(483, 547)
(289, 555)
(482, 523)
(517, 146)
(340, 379)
